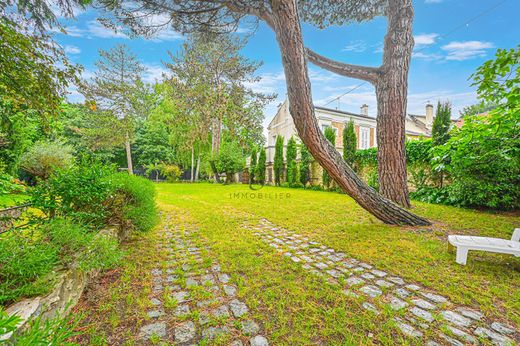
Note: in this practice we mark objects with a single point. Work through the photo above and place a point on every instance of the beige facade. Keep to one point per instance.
(364, 124)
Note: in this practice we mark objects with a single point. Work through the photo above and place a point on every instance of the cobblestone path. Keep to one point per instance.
(193, 300)
(420, 313)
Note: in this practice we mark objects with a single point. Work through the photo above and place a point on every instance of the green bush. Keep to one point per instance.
(43, 158)
(27, 261)
(133, 202)
(79, 192)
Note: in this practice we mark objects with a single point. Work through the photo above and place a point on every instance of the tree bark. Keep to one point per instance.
(216, 129)
(391, 84)
(197, 169)
(128, 150)
(391, 94)
(192, 163)
(288, 33)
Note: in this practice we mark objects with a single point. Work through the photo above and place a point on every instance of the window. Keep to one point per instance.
(364, 138)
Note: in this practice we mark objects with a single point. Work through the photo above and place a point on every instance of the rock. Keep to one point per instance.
(425, 315)
(401, 292)
(157, 329)
(451, 340)
(250, 327)
(182, 310)
(213, 332)
(434, 297)
(349, 293)
(258, 341)
(237, 343)
(295, 259)
(184, 332)
(230, 290)
(155, 313)
(502, 328)
(397, 304)
(396, 280)
(353, 281)
(475, 315)
(224, 278)
(203, 318)
(496, 338)
(456, 319)
(413, 287)
(221, 311)
(207, 279)
(181, 296)
(155, 302)
(371, 291)
(215, 268)
(320, 265)
(191, 282)
(367, 276)
(462, 334)
(370, 307)
(156, 272)
(408, 329)
(238, 308)
(423, 304)
(334, 273)
(383, 283)
(379, 273)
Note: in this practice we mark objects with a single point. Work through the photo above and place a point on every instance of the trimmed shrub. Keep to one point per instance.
(43, 158)
(133, 202)
(292, 169)
(331, 137)
(278, 165)
(260, 167)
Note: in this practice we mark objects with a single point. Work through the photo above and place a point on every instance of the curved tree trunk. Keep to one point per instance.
(128, 150)
(391, 93)
(288, 33)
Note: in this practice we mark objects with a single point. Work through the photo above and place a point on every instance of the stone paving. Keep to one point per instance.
(193, 301)
(422, 312)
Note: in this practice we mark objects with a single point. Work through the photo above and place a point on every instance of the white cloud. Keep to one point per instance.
(72, 50)
(356, 46)
(96, 29)
(422, 40)
(270, 82)
(426, 56)
(465, 50)
(154, 73)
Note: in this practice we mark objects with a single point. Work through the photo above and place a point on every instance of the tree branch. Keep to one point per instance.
(369, 74)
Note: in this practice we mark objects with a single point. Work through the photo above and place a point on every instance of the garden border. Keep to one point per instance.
(69, 287)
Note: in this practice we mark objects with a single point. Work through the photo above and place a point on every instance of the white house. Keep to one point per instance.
(365, 126)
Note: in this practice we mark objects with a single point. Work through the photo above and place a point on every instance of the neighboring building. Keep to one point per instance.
(365, 126)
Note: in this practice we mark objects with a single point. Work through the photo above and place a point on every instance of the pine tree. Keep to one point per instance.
(260, 167)
(349, 143)
(305, 162)
(278, 160)
(292, 168)
(441, 124)
(330, 134)
(252, 166)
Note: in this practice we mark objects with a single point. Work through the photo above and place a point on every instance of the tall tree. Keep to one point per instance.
(292, 168)
(349, 143)
(305, 165)
(278, 165)
(215, 61)
(260, 167)
(114, 87)
(390, 81)
(441, 123)
(330, 134)
(252, 165)
(284, 18)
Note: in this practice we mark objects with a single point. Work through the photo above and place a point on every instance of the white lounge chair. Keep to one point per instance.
(464, 243)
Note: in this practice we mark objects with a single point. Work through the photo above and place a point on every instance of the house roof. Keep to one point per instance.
(344, 112)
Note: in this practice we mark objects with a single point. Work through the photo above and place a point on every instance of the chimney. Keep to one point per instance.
(429, 114)
(364, 109)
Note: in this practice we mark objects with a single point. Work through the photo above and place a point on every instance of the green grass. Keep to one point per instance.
(489, 281)
(12, 199)
(293, 306)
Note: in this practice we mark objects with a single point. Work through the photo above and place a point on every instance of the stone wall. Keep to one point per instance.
(65, 295)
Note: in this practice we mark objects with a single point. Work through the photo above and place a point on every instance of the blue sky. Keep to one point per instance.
(442, 63)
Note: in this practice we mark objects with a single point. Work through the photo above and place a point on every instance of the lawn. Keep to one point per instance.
(10, 200)
(295, 306)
